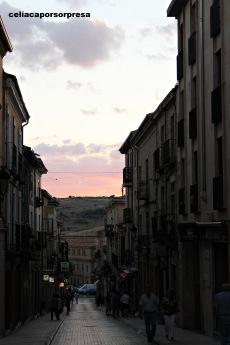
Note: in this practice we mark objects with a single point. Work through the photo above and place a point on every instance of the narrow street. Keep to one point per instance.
(86, 325)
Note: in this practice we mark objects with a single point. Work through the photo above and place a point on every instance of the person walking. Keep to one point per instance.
(76, 296)
(115, 303)
(169, 310)
(55, 307)
(68, 298)
(125, 305)
(222, 309)
(149, 306)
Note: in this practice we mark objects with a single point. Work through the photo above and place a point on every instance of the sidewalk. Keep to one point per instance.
(182, 336)
(36, 332)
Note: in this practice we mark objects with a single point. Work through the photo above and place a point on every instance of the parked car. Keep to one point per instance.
(87, 289)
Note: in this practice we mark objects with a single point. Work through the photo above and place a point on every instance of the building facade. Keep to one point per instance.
(203, 75)
(5, 46)
(150, 182)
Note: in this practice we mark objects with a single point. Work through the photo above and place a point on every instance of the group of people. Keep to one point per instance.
(57, 303)
(116, 304)
(149, 309)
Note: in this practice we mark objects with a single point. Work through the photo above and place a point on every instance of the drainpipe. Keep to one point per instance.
(202, 100)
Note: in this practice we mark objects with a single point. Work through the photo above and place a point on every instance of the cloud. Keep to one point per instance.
(48, 44)
(87, 112)
(167, 31)
(146, 32)
(158, 57)
(80, 169)
(67, 141)
(119, 110)
(73, 85)
(48, 150)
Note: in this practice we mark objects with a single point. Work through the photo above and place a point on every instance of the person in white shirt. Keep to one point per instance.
(149, 306)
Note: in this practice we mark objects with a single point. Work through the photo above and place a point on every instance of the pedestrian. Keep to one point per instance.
(68, 298)
(222, 309)
(115, 303)
(76, 296)
(108, 304)
(169, 310)
(149, 307)
(56, 306)
(125, 304)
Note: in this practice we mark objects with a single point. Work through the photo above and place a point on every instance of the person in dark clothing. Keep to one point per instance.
(169, 310)
(108, 304)
(68, 299)
(222, 309)
(55, 306)
(115, 303)
(149, 307)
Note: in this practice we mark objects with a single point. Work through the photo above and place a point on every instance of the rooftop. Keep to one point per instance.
(175, 8)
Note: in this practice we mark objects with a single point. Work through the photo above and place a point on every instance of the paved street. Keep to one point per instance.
(86, 326)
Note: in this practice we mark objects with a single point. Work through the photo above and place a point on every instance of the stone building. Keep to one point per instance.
(83, 245)
(5, 46)
(150, 213)
(16, 265)
(203, 169)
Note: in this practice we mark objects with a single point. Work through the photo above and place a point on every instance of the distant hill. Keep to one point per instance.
(82, 213)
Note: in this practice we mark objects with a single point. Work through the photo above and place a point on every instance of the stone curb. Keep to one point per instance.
(53, 334)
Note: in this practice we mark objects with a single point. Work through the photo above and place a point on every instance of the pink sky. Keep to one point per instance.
(88, 82)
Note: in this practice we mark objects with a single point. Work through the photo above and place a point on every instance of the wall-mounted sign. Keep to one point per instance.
(51, 279)
(64, 266)
(46, 277)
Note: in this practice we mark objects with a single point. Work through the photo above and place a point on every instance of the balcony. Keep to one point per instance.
(180, 65)
(127, 177)
(181, 199)
(192, 49)
(168, 155)
(215, 19)
(127, 215)
(194, 198)
(180, 132)
(218, 193)
(143, 192)
(193, 124)
(216, 105)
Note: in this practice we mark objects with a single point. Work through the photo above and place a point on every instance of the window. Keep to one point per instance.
(215, 18)
(193, 94)
(162, 134)
(82, 267)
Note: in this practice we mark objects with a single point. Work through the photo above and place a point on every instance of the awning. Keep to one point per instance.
(128, 272)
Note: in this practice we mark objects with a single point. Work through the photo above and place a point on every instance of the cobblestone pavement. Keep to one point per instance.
(35, 332)
(86, 326)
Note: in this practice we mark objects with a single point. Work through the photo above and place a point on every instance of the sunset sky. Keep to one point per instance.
(87, 82)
